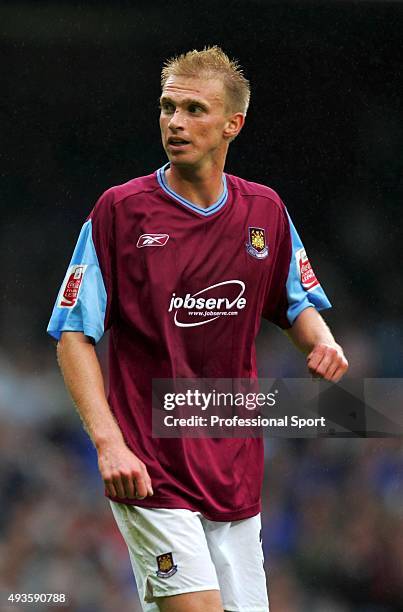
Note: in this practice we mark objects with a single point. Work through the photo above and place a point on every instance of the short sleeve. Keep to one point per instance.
(294, 283)
(84, 301)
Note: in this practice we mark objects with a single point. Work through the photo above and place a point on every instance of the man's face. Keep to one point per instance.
(193, 119)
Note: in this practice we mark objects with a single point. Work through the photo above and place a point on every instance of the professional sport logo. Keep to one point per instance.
(307, 275)
(207, 305)
(166, 566)
(71, 286)
(257, 244)
(146, 240)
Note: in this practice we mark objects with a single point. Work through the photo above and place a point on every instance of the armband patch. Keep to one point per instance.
(307, 275)
(71, 286)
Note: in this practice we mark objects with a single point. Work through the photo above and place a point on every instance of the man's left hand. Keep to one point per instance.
(327, 361)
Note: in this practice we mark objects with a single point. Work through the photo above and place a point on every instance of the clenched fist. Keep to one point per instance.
(124, 474)
(327, 361)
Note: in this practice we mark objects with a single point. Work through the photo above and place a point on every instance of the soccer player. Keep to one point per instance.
(181, 265)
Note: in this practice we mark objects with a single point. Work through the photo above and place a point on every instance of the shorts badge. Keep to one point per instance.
(257, 245)
(166, 567)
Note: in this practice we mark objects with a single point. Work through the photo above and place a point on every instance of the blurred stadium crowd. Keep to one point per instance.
(332, 515)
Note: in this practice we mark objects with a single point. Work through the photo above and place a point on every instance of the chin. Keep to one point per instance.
(180, 160)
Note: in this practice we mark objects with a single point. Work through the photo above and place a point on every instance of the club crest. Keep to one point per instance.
(166, 566)
(257, 244)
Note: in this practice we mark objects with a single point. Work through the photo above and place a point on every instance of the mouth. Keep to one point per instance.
(177, 143)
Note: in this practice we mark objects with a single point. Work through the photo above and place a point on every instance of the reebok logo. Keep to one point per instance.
(146, 240)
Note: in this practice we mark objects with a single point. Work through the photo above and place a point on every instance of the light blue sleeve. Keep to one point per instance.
(303, 288)
(81, 302)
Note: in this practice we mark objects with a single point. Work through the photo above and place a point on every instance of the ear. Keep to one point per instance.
(233, 126)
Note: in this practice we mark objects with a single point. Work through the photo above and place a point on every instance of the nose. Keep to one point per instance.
(176, 120)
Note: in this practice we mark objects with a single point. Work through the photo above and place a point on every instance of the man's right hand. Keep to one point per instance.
(123, 473)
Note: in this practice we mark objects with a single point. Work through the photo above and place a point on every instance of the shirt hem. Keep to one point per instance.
(168, 503)
(87, 330)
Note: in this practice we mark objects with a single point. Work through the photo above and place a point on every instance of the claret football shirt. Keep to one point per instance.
(182, 290)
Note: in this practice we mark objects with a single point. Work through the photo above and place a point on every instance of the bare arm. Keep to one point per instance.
(123, 473)
(325, 358)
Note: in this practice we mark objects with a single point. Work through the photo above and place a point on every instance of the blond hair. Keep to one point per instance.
(212, 62)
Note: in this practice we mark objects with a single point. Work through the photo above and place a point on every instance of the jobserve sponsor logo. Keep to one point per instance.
(224, 299)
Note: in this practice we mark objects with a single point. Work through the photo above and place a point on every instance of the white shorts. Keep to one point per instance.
(179, 551)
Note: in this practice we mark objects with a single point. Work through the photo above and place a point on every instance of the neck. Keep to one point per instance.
(203, 187)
